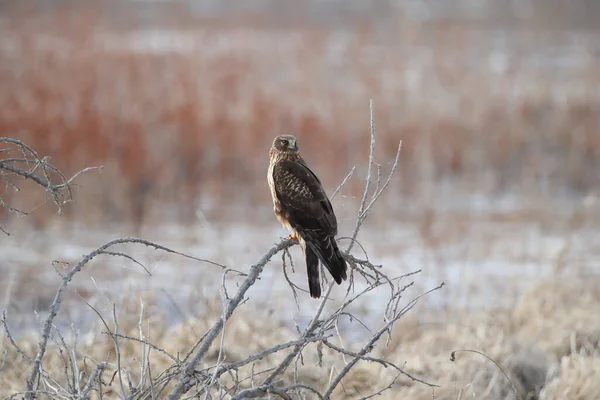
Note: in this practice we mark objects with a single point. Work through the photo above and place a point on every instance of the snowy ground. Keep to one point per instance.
(485, 263)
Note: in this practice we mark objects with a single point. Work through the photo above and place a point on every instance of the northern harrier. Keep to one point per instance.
(302, 206)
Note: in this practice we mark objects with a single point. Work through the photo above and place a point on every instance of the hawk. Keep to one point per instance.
(302, 206)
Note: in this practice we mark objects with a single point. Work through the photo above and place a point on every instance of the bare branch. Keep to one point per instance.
(118, 351)
(270, 351)
(379, 392)
(187, 380)
(261, 391)
(221, 378)
(54, 307)
(371, 158)
(369, 346)
(387, 182)
(12, 341)
(118, 254)
(285, 253)
(96, 374)
(343, 182)
(37, 169)
(146, 343)
(364, 208)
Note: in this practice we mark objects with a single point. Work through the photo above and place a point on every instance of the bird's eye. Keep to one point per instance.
(284, 142)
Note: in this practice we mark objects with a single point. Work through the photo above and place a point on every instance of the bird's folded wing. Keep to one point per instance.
(301, 193)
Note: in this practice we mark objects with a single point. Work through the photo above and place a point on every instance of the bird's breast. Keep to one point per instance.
(276, 203)
(271, 182)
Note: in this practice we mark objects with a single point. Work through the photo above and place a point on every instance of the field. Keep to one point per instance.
(495, 195)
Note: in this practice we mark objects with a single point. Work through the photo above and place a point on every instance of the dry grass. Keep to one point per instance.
(191, 121)
(534, 363)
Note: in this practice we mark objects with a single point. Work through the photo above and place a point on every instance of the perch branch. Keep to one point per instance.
(187, 380)
(54, 307)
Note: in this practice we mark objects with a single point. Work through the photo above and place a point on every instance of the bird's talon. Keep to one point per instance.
(292, 237)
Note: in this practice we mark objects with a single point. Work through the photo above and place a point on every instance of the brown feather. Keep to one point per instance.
(302, 206)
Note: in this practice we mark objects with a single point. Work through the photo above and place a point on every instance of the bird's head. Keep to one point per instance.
(285, 144)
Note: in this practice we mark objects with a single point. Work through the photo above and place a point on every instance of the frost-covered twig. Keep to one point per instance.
(370, 344)
(365, 208)
(320, 324)
(12, 341)
(54, 307)
(95, 375)
(187, 379)
(31, 166)
(203, 375)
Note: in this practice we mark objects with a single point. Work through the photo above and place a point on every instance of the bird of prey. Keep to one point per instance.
(302, 206)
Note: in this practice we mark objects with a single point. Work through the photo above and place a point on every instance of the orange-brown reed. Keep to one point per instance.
(190, 113)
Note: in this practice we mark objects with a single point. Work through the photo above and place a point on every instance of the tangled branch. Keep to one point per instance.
(19, 160)
(317, 327)
(256, 375)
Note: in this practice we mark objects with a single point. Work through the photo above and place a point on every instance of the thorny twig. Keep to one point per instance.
(12, 341)
(293, 286)
(30, 166)
(223, 368)
(54, 307)
(371, 342)
(365, 207)
(96, 373)
(187, 380)
(377, 278)
(188, 372)
(146, 343)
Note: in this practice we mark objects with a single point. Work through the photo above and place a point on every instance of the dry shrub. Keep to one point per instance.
(583, 343)
(422, 348)
(551, 324)
(558, 311)
(363, 380)
(244, 336)
(577, 379)
(547, 315)
(471, 374)
(199, 369)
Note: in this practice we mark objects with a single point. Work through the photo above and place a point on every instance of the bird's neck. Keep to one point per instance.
(285, 155)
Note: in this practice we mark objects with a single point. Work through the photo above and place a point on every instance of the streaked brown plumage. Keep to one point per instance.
(302, 206)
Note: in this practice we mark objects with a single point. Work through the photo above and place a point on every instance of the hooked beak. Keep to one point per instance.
(292, 145)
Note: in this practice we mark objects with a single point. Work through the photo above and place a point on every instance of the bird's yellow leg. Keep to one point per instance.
(293, 236)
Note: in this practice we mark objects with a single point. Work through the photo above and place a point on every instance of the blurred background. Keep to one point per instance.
(497, 104)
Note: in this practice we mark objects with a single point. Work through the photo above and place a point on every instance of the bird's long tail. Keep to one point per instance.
(312, 269)
(326, 250)
(334, 261)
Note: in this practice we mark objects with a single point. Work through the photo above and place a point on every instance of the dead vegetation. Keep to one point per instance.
(547, 347)
(421, 348)
(152, 104)
(21, 165)
(114, 374)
